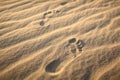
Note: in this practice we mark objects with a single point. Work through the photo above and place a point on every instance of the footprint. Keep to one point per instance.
(42, 23)
(63, 3)
(80, 44)
(51, 67)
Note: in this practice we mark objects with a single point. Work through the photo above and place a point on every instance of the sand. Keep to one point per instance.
(59, 39)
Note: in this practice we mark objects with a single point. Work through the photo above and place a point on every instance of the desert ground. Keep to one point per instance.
(59, 39)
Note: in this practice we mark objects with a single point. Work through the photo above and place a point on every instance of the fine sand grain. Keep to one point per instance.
(59, 39)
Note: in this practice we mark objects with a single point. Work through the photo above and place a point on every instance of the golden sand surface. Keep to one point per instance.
(59, 39)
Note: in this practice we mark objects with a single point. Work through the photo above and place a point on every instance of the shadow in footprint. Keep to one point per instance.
(51, 67)
(80, 44)
(42, 23)
(73, 50)
(46, 13)
(49, 12)
(72, 40)
(63, 3)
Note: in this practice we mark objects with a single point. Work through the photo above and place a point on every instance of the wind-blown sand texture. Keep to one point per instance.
(59, 39)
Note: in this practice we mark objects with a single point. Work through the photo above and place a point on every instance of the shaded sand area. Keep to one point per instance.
(59, 39)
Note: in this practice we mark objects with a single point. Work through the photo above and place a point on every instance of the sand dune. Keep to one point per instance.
(59, 39)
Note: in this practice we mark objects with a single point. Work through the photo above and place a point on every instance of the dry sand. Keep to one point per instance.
(59, 39)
